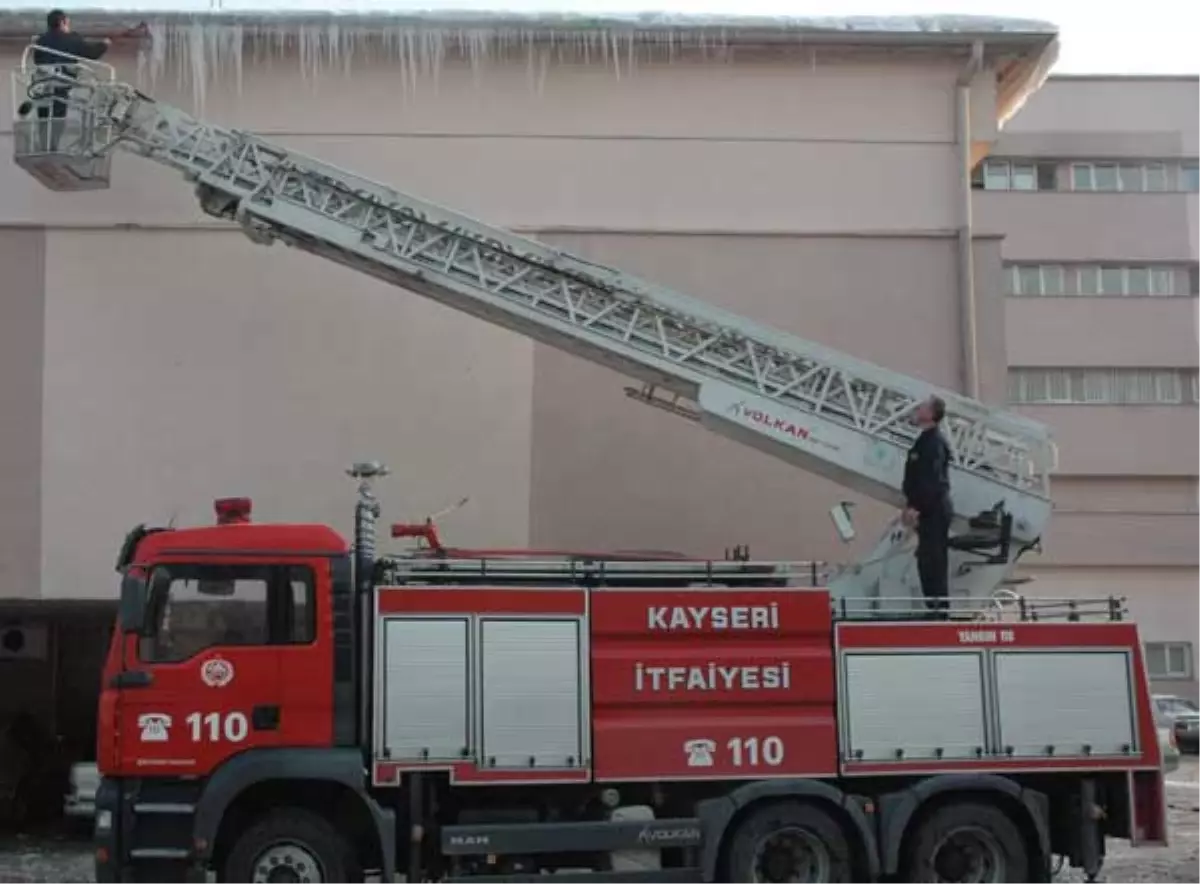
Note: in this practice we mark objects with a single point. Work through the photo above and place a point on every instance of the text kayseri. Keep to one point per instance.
(667, 617)
(712, 677)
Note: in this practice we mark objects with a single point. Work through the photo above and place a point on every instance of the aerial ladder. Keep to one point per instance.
(840, 417)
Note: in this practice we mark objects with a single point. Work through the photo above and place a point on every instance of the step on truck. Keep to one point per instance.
(281, 704)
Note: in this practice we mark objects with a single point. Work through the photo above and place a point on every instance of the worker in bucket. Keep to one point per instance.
(58, 41)
(927, 503)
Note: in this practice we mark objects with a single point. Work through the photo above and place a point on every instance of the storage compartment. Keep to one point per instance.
(426, 700)
(1064, 703)
(532, 710)
(907, 706)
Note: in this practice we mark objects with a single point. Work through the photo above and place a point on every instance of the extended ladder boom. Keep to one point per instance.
(824, 411)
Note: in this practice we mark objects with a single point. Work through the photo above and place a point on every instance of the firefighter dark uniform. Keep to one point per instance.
(58, 40)
(927, 490)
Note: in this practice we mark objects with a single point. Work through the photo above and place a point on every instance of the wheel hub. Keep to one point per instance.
(969, 855)
(791, 854)
(287, 864)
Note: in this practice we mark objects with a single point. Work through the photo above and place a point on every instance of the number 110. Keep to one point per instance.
(753, 752)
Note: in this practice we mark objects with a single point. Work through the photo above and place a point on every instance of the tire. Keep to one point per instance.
(967, 841)
(296, 839)
(759, 847)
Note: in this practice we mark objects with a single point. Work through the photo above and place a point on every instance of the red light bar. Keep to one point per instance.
(232, 510)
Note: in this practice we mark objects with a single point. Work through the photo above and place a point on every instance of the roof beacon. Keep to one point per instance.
(232, 510)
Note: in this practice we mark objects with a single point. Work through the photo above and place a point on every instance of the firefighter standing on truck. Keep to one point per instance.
(927, 503)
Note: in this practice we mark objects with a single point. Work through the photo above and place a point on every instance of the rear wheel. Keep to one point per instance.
(788, 841)
(967, 842)
(292, 845)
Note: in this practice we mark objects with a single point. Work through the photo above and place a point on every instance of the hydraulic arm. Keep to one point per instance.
(824, 411)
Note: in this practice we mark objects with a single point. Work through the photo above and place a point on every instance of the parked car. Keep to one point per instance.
(1165, 725)
(84, 780)
(1185, 720)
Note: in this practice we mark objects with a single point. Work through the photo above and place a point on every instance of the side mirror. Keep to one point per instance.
(132, 609)
(840, 513)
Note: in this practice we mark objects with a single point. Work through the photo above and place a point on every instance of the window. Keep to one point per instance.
(1169, 659)
(1024, 176)
(1112, 281)
(1162, 281)
(1087, 176)
(1102, 386)
(1036, 279)
(1149, 176)
(1015, 175)
(194, 607)
(1090, 280)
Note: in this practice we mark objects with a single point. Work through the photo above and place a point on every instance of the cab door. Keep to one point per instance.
(206, 678)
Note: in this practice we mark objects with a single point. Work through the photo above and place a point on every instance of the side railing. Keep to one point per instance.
(1002, 606)
(58, 136)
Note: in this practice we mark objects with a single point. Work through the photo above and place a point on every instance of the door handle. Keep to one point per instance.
(132, 678)
(265, 718)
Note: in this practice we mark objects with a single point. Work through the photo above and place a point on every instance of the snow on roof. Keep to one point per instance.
(528, 14)
(206, 41)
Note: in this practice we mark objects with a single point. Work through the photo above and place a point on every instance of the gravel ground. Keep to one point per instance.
(62, 859)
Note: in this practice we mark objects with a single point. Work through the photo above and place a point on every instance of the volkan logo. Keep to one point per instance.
(769, 421)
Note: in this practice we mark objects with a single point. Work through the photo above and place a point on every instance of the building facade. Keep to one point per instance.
(153, 359)
(1094, 185)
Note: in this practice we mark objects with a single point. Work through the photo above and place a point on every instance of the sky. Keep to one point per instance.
(1146, 37)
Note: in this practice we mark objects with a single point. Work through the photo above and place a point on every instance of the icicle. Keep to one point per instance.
(203, 52)
(238, 47)
(198, 57)
(410, 49)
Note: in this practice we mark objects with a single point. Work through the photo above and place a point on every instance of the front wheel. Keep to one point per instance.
(291, 845)
(968, 842)
(788, 841)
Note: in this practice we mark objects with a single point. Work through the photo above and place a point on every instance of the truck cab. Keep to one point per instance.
(225, 644)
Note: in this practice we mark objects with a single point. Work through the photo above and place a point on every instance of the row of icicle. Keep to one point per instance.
(202, 54)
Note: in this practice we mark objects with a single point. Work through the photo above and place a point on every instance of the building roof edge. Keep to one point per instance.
(924, 30)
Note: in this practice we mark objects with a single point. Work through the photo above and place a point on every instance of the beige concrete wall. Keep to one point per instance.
(181, 366)
(584, 148)
(1125, 519)
(1154, 494)
(1099, 106)
(184, 363)
(1113, 332)
(22, 265)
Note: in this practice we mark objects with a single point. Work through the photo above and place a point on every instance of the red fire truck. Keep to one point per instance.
(472, 715)
(280, 704)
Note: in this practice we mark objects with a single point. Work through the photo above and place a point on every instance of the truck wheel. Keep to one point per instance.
(789, 841)
(292, 845)
(966, 841)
